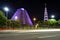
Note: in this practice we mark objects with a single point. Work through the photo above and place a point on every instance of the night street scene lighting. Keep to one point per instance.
(29, 20)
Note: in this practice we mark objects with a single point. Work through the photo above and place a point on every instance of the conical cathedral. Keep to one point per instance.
(22, 15)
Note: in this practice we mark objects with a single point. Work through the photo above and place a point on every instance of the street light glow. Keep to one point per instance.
(34, 19)
(6, 8)
(52, 16)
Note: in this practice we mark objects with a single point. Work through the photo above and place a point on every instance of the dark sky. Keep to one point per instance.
(35, 8)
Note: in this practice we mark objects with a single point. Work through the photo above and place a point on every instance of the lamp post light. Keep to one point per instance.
(52, 16)
(34, 19)
(6, 9)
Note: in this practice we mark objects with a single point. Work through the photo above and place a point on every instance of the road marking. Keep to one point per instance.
(47, 36)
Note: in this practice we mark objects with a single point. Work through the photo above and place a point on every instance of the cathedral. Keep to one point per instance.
(22, 15)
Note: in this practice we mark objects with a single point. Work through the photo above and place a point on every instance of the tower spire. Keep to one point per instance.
(45, 13)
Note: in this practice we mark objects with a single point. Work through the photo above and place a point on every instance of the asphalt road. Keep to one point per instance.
(30, 36)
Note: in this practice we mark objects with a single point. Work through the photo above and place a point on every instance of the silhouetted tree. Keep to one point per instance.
(3, 19)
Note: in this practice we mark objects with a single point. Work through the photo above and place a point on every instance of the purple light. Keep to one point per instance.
(45, 13)
(16, 17)
(22, 15)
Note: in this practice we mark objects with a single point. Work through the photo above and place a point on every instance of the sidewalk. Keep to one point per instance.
(36, 30)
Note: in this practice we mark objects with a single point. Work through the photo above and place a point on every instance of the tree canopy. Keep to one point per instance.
(3, 19)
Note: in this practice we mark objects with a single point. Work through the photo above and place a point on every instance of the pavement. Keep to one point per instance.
(43, 34)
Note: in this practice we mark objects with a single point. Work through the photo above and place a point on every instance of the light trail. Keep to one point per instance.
(40, 30)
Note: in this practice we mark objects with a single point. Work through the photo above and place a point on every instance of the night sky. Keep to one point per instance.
(35, 8)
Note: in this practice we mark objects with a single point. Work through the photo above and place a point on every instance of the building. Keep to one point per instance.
(22, 15)
(45, 13)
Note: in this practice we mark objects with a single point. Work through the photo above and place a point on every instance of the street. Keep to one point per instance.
(52, 35)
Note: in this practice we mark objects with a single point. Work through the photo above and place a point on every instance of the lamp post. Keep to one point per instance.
(36, 25)
(6, 9)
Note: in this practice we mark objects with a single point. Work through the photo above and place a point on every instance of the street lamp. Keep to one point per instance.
(34, 19)
(52, 16)
(6, 9)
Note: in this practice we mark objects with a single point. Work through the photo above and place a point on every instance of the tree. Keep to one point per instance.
(9, 23)
(58, 21)
(52, 22)
(15, 23)
(40, 24)
(3, 19)
(46, 24)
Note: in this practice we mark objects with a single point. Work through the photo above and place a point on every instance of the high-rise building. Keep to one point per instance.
(22, 15)
(45, 13)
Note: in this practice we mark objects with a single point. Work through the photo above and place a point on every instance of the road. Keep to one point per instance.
(30, 36)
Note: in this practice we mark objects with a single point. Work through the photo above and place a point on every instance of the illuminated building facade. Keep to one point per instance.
(22, 15)
(45, 14)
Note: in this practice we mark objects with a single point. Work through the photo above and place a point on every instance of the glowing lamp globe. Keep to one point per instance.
(6, 8)
(52, 16)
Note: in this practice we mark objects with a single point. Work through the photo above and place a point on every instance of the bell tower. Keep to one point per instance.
(45, 13)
